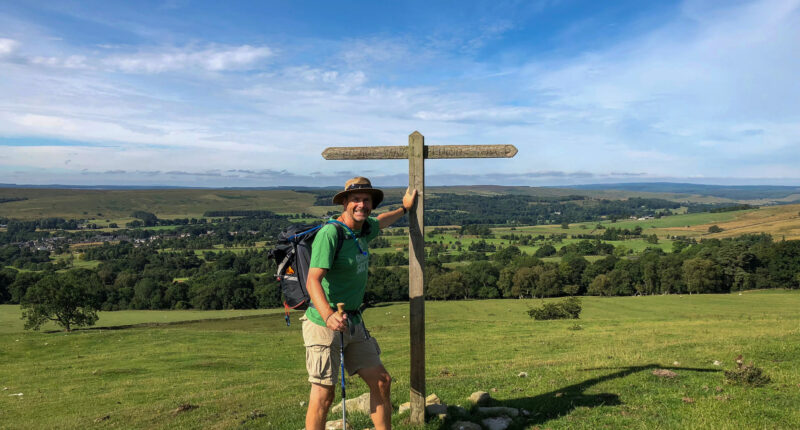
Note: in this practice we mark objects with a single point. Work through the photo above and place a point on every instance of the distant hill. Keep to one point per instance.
(117, 203)
(776, 193)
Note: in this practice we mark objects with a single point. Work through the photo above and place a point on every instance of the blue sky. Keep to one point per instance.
(211, 93)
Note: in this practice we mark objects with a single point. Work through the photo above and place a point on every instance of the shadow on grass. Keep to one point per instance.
(562, 401)
(164, 323)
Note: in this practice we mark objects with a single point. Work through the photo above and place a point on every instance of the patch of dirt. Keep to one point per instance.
(183, 408)
(664, 373)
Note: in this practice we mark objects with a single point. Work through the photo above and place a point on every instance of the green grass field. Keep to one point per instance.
(117, 205)
(592, 373)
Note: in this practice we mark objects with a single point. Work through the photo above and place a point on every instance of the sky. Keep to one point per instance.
(248, 94)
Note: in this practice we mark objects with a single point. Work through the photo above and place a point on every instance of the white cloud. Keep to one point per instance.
(681, 90)
(69, 62)
(7, 46)
(215, 59)
(710, 84)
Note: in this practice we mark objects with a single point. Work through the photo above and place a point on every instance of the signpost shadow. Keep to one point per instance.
(562, 401)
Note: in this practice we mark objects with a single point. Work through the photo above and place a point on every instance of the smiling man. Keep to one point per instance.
(342, 278)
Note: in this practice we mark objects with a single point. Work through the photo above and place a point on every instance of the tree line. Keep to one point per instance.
(709, 266)
(146, 277)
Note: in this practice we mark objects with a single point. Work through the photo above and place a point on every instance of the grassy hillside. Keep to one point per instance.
(757, 194)
(782, 222)
(165, 203)
(178, 203)
(592, 373)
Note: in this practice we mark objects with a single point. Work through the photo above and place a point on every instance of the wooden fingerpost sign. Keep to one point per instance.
(416, 152)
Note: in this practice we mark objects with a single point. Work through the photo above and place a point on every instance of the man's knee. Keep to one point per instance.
(323, 394)
(385, 381)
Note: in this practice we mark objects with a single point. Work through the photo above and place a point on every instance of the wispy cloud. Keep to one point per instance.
(213, 58)
(707, 83)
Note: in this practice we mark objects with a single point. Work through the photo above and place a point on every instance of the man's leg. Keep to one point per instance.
(319, 403)
(380, 403)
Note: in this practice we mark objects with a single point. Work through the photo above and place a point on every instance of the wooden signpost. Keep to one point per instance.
(416, 152)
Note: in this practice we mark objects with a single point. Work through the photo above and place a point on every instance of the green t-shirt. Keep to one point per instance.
(346, 279)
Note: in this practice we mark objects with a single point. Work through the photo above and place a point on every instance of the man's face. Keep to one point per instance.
(359, 206)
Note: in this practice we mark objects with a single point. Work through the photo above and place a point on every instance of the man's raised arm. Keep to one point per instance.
(388, 218)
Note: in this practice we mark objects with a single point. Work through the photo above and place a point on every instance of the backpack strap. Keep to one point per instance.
(342, 225)
(339, 239)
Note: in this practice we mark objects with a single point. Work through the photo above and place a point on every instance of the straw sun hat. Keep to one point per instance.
(359, 184)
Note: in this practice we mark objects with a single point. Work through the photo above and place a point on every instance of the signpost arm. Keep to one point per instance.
(416, 268)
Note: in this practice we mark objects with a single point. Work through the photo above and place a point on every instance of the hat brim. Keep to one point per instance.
(377, 196)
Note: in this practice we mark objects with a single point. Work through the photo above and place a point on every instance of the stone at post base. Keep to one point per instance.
(499, 423)
(358, 404)
(480, 398)
(337, 425)
(433, 407)
(437, 410)
(466, 425)
(498, 410)
(432, 399)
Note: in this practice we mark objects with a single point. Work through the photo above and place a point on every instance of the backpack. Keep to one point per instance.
(292, 254)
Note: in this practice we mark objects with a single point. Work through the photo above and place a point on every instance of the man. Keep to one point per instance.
(344, 280)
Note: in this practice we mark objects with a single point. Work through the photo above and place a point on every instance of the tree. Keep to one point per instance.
(480, 278)
(68, 298)
(702, 276)
(446, 285)
(505, 255)
(7, 277)
(21, 284)
(545, 251)
(571, 269)
(784, 264)
(600, 286)
(524, 281)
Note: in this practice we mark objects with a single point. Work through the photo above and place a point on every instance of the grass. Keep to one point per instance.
(10, 321)
(249, 373)
(165, 203)
(782, 222)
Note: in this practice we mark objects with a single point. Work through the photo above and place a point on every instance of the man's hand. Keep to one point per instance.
(388, 218)
(336, 322)
(409, 198)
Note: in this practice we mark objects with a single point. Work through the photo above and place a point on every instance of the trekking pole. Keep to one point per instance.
(341, 359)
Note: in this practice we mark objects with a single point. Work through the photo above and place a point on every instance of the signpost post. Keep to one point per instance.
(416, 152)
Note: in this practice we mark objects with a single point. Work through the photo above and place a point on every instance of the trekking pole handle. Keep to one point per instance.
(341, 308)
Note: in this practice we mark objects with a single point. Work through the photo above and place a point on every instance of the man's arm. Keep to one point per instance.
(388, 218)
(315, 291)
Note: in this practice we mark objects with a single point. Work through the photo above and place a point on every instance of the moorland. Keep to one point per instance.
(188, 305)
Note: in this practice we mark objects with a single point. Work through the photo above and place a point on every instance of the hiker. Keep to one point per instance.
(344, 280)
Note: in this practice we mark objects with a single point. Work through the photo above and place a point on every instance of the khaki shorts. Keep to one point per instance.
(361, 351)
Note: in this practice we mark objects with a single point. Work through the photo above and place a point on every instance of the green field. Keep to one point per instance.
(592, 373)
(117, 205)
(10, 321)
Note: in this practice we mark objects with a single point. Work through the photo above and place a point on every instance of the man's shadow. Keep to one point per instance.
(557, 403)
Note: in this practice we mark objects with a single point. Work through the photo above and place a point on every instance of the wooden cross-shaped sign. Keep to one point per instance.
(416, 152)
